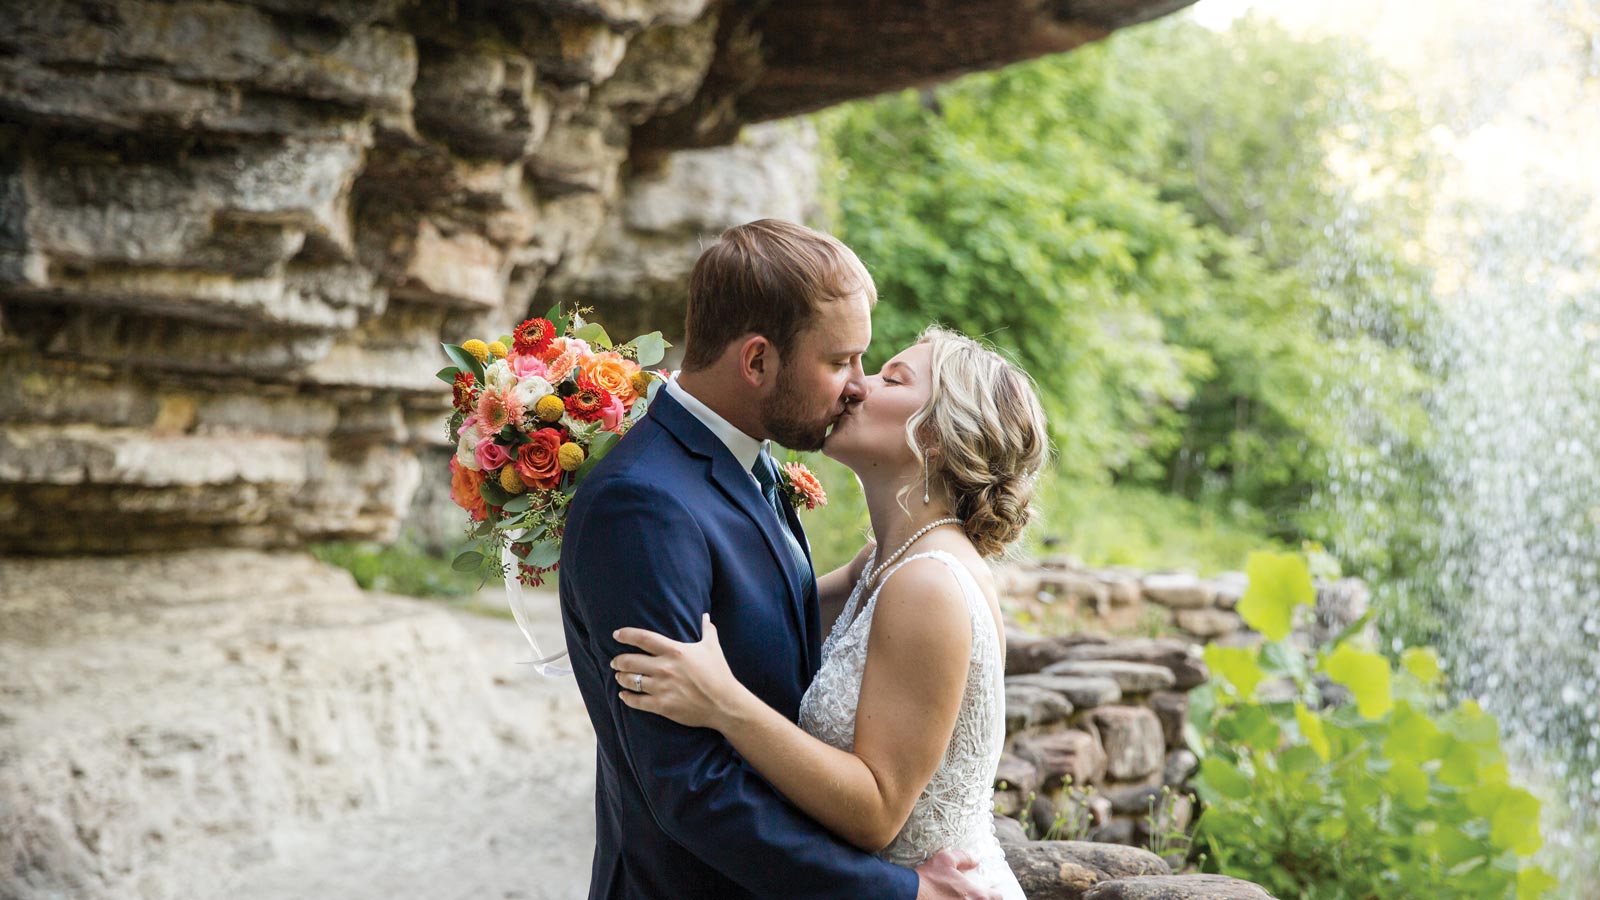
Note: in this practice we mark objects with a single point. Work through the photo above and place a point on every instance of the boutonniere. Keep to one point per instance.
(801, 486)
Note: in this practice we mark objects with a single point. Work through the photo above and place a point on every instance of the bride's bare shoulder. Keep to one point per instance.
(922, 604)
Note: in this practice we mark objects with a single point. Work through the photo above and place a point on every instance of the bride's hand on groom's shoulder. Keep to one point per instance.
(689, 683)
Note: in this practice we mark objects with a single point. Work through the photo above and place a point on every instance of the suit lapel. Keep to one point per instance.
(740, 489)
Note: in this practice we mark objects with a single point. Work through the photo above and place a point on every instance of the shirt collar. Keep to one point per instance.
(744, 448)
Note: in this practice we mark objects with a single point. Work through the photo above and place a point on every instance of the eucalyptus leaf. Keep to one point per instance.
(594, 334)
(650, 347)
(544, 554)
(467, 561)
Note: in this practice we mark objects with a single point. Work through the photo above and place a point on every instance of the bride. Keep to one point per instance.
(901, 730)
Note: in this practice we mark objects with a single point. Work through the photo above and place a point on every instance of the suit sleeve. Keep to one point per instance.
(639, 559)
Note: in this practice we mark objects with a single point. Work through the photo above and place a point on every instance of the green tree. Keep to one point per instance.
(1176, 232)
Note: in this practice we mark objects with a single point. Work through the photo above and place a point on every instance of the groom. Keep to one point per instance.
(683, 517)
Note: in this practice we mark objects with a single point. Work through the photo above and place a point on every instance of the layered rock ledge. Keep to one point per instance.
(232, 234)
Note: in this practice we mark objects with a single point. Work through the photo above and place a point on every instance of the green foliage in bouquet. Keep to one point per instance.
(1396, 794)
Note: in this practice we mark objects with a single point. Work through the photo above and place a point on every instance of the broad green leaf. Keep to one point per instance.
(1422, 663)
(651, 348)
(1413, 736)
(1533, 882)
(1366, 675)
(1460, 764)
(1453, 847)
(517, 504)
(467, 561)
(1409, 783)
(1223, 779)
(1299, 761)
(1278, 583)
(1516, 824)
(493, 492)
(1237, 666)
(1251, 725)
(1311, 729)
(466, 361)
(447, 374)
(1470, 723)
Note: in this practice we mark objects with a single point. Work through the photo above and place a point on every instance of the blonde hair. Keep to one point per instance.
(987, 431)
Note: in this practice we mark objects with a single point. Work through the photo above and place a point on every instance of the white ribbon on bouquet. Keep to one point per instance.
(543, 664)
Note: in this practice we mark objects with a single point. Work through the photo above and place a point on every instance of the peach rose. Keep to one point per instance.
(539, 461)
(465, 490)
(613, 373)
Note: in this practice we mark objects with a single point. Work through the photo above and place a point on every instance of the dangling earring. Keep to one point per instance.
(924, 483)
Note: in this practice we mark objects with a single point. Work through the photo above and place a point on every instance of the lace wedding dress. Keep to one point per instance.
(955, 810)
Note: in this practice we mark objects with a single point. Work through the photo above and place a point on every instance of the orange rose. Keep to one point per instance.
(539, 461)
(465, 490)
(613, 374)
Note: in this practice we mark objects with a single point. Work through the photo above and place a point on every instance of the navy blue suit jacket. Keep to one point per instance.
(666, 527)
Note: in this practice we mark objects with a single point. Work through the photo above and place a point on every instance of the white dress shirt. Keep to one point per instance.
(744, 448)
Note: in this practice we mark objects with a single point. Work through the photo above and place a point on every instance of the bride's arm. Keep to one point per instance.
(917, 659)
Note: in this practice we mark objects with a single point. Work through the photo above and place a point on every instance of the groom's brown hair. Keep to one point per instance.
(766, 277)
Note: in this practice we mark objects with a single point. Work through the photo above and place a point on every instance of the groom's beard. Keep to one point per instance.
(785, 416)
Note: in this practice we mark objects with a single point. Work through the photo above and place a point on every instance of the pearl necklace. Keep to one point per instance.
(872, 573)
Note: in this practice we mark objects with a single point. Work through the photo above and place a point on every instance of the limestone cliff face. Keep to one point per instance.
(232, 234)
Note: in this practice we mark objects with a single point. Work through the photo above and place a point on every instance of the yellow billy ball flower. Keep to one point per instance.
(477, 348)
(570, 456)
(641, 383)
(550, 408)
(511, 481)
(497, 350)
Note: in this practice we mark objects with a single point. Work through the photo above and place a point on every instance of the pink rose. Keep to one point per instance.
(491, 455)
(468, 422)
(523, 366)
(612, 414)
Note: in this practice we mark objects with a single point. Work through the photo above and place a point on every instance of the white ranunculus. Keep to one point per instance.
(498, 375)
(467, 450)
(532, 389)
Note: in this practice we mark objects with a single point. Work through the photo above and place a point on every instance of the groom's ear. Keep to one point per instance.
(758, 360)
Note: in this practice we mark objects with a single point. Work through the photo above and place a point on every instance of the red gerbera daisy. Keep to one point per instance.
(588, 403)
(462, 392)
(533, 336)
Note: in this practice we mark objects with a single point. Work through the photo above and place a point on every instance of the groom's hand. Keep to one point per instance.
(942, 878)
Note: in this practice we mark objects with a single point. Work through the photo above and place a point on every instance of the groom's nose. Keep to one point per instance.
(855, 390)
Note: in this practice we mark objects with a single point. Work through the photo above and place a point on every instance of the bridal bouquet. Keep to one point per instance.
(533, 412)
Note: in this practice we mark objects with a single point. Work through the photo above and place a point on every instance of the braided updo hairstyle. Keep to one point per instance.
(987, 432)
